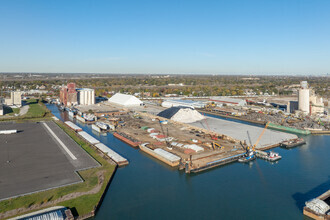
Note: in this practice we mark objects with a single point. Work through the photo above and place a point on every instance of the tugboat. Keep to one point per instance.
(270, 156)
(249, 156)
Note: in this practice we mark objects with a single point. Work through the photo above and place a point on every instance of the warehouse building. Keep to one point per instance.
(125, 100)
(227, 100)
(168, 103)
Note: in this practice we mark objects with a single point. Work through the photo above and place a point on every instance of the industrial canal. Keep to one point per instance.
(149, 189)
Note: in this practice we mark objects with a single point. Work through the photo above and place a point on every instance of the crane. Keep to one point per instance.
(259, 138)
(213, 137)
(166, 140)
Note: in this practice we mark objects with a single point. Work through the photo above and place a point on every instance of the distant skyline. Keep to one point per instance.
(166, 37)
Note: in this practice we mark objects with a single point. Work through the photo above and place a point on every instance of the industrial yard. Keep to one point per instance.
(242, 132)
(184, 137)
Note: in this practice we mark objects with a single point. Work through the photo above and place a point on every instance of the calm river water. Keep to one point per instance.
(148, 189)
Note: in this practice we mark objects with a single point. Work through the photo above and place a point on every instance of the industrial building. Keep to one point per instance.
(308, 101)
(68, 95)
(303, 97)
(316, 103)
(227, 100)
(292, 106)
(168, 103)
(125, 100)
(1, 109)
(15, 99)
(86, 96)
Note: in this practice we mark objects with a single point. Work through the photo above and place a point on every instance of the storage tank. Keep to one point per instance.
(304, 84)
(86, 96)
(303, 100)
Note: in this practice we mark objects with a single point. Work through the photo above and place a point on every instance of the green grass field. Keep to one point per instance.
(83, 204)
(37, 111)
(12, 111)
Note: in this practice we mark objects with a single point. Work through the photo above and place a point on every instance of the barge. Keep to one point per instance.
(213, 164)
(162, 155)
(121, 161)
(293, 143)
(73, 126)
(126, 139)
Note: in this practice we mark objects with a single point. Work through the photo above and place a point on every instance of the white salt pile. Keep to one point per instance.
(182, 114)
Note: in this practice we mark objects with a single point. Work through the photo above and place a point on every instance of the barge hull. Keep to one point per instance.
(216, 163)
(125, 140)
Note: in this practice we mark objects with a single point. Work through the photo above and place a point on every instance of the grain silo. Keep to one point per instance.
(303, 97)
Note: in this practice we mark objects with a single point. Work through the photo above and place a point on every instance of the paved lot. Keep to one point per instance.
(239, 131)
(36, 159)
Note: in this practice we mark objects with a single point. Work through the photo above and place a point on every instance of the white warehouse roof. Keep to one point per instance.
(180, 102)
(125, 100)
(228, 100)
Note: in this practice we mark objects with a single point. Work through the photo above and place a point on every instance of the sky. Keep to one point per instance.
(165, 36)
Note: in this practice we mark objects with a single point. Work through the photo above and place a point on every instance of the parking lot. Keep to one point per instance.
(33, 159)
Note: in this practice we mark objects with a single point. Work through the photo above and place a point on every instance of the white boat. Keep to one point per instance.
(102, 125)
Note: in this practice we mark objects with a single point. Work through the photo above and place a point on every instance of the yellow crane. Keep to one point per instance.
(259, 138)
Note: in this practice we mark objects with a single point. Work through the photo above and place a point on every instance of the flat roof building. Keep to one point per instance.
(168, 103)
(227, 100)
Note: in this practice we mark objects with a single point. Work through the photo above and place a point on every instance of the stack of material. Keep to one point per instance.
(194, 147)
(318, 206)
(176, 144)
(150, 130)
(182, 114)
(167, 155)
